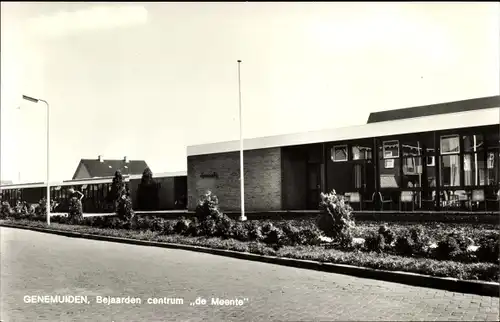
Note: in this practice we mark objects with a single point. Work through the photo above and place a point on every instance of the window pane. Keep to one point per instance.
(474, 169)
(391, 149)
(473, 143)
(492, 168)
(411, 148)
(339, 153)
(412, 172)
(450, 170)
(389, 173)
(450, 144)
(361, 152)
(493, 139)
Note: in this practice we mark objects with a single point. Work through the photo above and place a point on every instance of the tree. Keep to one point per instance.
(117, 188)
(147, 192)
(119, 196)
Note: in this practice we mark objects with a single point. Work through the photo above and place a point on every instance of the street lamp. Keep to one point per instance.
(242, 174)
(36, 100)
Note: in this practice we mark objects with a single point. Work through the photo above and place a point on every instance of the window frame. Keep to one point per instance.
(449, 136)
(392, 156)
(333, 153)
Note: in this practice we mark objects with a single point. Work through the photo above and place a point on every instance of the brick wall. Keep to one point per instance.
(262, 179)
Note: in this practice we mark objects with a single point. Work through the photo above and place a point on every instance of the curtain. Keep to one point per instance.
(357, 176)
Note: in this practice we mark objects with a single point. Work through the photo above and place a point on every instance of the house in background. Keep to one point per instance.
(98, 168)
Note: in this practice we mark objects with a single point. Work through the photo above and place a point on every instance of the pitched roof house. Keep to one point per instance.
(93, 168)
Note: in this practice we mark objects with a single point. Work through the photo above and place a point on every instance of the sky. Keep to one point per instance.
(145, 80)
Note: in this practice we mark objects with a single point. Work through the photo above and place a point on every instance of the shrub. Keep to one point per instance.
(336, 220)
(168, 227)
(254, 230)
(389, 236)
(75, 212)
(275, 236)
(375, 242)
(310, 235)
(239, 231)
(212, 221)
(448, 248)
(208, 207)
(404, 244)
(194, 229)
(489, 249)
(113, 222)
(413, 241)
(223, 226)
(124, 210)
(156, 224)
(208, 227)
(182, 226)
(292, 234)
(6, 210)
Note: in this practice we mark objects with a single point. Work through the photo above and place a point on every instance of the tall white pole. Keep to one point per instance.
(48, 167)
(36, 100)
(242, 174)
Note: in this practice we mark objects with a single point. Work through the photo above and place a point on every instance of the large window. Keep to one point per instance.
(450, 161)
(339, 153)
(474, 169)
(474, 164)
(389, 165)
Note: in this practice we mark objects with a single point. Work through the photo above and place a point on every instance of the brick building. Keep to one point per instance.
(434, 157)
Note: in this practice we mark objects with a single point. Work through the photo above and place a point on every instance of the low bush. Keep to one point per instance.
(6, 210)
(375, 242)
(254, 230)
(182, 226)
(239, 232)
(489, 249)
(413, 241)
(389, 236)
(448, 249)
(168, 227)
(275, 236)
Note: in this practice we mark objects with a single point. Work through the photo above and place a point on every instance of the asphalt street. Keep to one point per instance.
(39, 267)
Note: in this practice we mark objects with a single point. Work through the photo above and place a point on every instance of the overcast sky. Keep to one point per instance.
(146, 80)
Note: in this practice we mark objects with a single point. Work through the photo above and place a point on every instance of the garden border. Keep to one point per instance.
(449, 284)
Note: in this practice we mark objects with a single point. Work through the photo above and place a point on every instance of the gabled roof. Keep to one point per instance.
(107, 168)
(435, 109)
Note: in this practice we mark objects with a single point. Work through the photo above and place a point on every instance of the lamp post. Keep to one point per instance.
(242, 174)
(36, 100)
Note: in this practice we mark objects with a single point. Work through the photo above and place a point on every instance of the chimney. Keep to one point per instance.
(125, 159)
(100, 158)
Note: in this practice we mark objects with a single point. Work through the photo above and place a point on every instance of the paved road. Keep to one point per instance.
(34, 263)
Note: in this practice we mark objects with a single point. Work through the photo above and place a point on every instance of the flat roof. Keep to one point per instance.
(435, 109)
(480, 117)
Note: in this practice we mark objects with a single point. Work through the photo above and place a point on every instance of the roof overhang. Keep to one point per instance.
(483, 117)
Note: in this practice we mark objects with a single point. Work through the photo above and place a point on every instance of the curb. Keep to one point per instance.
(443, 283)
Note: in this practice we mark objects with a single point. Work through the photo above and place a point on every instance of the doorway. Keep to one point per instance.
(313, 185)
